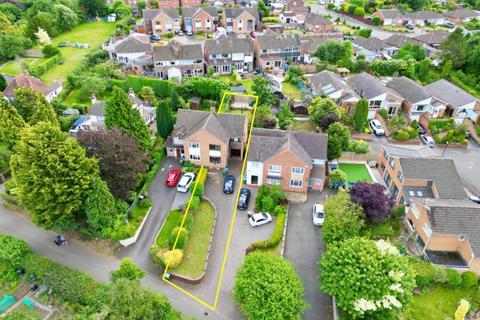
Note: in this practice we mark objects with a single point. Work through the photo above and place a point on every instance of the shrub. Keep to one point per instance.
(338, 176)
(144, 204)
(365, 33)
(175, 257)
(330, 6)
(199, 189)
(351, 8)
(359, 11)
(182, 238)
(13, 252)
(38, 69)
(383, 113)
(359, 147)
(376, 21)
(49, 51)
(440, 275)
(267, 204)
(276, 237)
(5, 155)
(454, 278)
(424, 272)
(162, 88)
(194, 203)
(268, 198)
(401, 135)
(271, 20)
(469, 279)
(202, 176)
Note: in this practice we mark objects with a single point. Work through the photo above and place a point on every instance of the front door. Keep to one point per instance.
(178, 154)
(254, 180)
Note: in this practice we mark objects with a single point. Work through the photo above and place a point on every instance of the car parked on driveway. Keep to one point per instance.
(474, 198)
(318, 214)
(427, 140)
(185, 182)
(172, 177)
(377, 127)
(229, 184)
(155, 37)
(421, 129)
(259, 219)
(243, 199)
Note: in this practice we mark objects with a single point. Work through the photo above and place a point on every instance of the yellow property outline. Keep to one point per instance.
(232, 223)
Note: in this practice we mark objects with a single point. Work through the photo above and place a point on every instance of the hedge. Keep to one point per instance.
(162, 88)
(39, 69)
(276, 237)
(469, 279)
(202, 176)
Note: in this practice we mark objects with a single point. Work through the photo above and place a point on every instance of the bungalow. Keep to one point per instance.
(229, 52)
(332, 85)
(317, 23)
(175, 61)
(161, 21)
(458, 103)
(389, 17)
(296, 161)
(416, 100)
(461, 15)
(376, 93)
(200, 19)
(30, 82)
(240, 20)
(425, 17)
(133, 52)
(445, 232)
(432, 39)
(274, 51)
(399, 40)
(376, 45)
(208, 138)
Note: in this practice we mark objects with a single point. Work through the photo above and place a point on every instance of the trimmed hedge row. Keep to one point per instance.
(39, 69)
(276, 237)
(162, 88)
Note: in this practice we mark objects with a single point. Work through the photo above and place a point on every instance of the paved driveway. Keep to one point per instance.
(304, 248)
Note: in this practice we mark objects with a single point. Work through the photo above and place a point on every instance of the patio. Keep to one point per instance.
(446, 258)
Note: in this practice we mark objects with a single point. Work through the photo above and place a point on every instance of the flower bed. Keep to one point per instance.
(445, 130)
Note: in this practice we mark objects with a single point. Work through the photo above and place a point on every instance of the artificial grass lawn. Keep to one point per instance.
(197, 248)
(292, 91)
(305, 126)
(355, 172)
(440, 303)
(93, 33)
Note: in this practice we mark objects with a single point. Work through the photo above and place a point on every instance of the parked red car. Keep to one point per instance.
(172, 177)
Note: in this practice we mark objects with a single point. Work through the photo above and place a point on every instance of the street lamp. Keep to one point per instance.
(445, 149)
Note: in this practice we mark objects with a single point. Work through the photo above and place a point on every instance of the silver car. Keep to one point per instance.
(259, 219)
(318, 214)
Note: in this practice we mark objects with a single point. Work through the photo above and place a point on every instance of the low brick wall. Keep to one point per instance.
(406, 142)
(362, 136)
(453, 145)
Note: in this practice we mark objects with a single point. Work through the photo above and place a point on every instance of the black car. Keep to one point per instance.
(243, 199)
(229, 184)
(421, 129)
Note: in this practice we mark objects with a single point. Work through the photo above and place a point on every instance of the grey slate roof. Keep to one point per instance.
(275, 41)
(316, 19)
(266, 143)
(149, 14)
(461, 217)
(97, 109)
(229, 44)
(442, 172)
(398, 40)
(189, 12)
(462, 13)
(176, 51)
(235, 12)
(424, 15)
(450, 93)
(133, 43)
(432, 38)
(409, 89)
(224, 126)
(369, 86)
(390, 13)
(323, 81)
(409, 151)
(371, 43)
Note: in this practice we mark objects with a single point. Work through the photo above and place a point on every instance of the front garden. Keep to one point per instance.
(446, 131)
(399, 128)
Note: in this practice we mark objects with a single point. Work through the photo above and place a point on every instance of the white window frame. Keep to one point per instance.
(298, 170)
(194, 157)
(273, 182)
(194, 145)
(275, 168)
(427, 229)
(295, 183)
(415, 210)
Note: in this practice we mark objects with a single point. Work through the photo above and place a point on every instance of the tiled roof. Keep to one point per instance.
(369, 86)
(450, 93)
(275, 41)
(398, 40)
(229, 44)
(316, 19)
(27, 81)
(193, 11)
(177, 51)
(132, 44)
(409, 89)
(235, 12)
(325, 81)
(462, 13)
(424, 15)
(442, 172)
(433, 38)
(408, 151)
(266, 143)
(149, 14)
(390, 13)
(371, 43)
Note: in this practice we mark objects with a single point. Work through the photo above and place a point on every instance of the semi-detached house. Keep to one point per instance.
(198, 19)
(273, 51)
(176, 61)
(161, 21)
(133, 52)
(229, 52)
(293, 160)
(240, 20)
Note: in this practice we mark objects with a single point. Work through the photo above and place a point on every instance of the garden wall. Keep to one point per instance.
(132, 240)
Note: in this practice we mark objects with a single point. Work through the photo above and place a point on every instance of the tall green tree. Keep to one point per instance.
(93, 8)
(147, 94)
(369, 279)
(267, 287)
(175, 100)
(164, 119)
(120, 113)
(333, 51)
(360, 115)
(455, 48)
(12, 46)
(6, 26)
(100, 209)
(52, 175)
(341, 132)
(128, 270)
(3, 83)
(285, 116)
(322, 107)
(33, 107)
(261, 88)
(334, 148)
(11, 122)
(411, 50)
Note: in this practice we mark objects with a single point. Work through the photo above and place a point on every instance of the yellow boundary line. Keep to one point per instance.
(232, 223)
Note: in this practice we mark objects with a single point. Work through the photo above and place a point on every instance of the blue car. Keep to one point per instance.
(229, 184)
(243, 199)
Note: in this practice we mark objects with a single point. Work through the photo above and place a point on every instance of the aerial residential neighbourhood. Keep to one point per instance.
(240, 159)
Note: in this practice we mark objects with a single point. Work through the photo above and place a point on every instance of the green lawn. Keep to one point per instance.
(440, 304)
(74, 97)
(305, 126)
(197, 247)
(93, 33)
(247, 84)
(275, 250)
(13, 68)
(356, 172)
(292, 91)
(174, 219)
